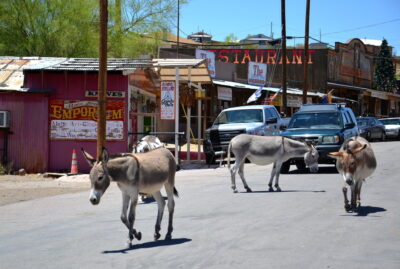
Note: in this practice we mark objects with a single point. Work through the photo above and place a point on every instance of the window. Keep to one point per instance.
(267, 114)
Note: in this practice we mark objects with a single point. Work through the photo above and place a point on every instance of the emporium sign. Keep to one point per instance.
(267, 56)
(210, 56)
(167, 108)
(77, 120)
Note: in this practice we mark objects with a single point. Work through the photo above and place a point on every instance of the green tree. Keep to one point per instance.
(384, 71)
(48, 28)
(70, 28)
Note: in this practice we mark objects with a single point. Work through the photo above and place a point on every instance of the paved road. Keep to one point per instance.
(305, 226)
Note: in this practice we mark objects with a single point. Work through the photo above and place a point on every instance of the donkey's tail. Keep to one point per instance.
(176, 192)
(229, 155)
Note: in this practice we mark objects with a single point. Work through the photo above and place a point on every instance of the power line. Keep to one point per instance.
(362, 27)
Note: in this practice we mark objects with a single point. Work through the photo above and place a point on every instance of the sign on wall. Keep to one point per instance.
(294, 101)
(77, 120)
(224, 93)
(167, 108)
(210, 56)
(257, 74)
(109, 94)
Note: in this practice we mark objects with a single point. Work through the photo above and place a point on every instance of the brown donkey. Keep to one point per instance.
(355, 161)
(144, 173)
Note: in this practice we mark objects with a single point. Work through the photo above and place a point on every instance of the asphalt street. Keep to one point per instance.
(304, 226)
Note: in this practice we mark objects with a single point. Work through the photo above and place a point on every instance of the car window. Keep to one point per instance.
(390, 121)
(268, 114)
(362, 122)
(350, 118)
(274, 112)
(346, 118)
(327, 120)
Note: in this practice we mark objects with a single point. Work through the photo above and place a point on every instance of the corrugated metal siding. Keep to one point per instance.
(72, 86)
(28, 143)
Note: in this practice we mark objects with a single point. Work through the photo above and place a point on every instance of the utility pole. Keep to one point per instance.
(305, 79)
(102, 82)
(284, 88)
(177, 33)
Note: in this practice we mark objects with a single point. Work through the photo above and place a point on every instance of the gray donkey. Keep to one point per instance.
(144, 173)
(264, 150)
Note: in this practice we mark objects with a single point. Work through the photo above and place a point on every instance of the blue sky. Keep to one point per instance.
(336, 20)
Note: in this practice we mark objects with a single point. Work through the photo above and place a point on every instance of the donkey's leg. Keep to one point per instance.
(124, 219)
(131, 217)
(275, 173)
(358, 193)
(353, 188)
(233, 171)
(241, 173)
(346, 201)
(161, 205)
(169, 188)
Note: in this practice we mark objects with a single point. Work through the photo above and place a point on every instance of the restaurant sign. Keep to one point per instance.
(77, 120)
(257, 74)
(210, 56)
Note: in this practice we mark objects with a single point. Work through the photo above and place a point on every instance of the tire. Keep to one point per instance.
(285, 167)
(300, 165)
(368, 136)
(383, 136)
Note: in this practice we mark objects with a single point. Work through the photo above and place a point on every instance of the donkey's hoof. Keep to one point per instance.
(347, 207)
(139, 236)
(128, 244)
(157, 236)
(235, 191)
(278, 189)
(270, 189)
(168, 237)
(248, 189)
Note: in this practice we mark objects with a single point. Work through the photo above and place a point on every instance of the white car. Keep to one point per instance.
(392, 127)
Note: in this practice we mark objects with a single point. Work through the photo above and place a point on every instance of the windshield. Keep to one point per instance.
(363, 122)
(391, 121)
(330, 120)
(239, 116)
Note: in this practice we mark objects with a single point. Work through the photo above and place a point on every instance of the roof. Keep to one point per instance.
(11, 72)
(89, 64)
(248, 107)
(372, 42)
(172, 38)
(321, 107)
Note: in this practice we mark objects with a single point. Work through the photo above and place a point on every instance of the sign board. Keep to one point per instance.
(380, 95)
(257, 74)
(277, 101)
(77, 120)
(210, 56)
(224, 93)
(294, 101)
(167, 107)
(110, 94)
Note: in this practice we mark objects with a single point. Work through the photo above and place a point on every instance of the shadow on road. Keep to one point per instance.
(152, 244)
(283, 191)
(363, 211)
(321, 170)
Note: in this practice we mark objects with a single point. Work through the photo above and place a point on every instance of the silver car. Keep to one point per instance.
(392, 127)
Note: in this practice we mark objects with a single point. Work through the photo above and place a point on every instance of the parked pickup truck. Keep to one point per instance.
(254, 119)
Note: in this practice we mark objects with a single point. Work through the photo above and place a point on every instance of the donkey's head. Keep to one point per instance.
(99, 176)
(348, 162)
(311, 157)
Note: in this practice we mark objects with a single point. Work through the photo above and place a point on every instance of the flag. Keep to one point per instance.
(326, 98)
(255, 95)
(275, 95)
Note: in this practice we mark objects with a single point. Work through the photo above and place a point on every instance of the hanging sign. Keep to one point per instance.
(257, 74)
(210, 56)
(167, 107)
(224, 93)
(77, 120)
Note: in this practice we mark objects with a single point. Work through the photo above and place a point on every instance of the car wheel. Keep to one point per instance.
(300, 165)
(383, 136)
(285, 167)
(368, 136)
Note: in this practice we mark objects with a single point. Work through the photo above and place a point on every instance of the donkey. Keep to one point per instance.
(264, 150)
(136, 174)
(147, 143)
(355, 161)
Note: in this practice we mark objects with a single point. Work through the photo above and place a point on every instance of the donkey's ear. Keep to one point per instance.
(336, 155)
(104, 155)
(88, 157)
(356, 150)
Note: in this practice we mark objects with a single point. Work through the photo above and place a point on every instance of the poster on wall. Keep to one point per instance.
(210, 56)
(77, 120)
(167, 108)
(257, 74)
